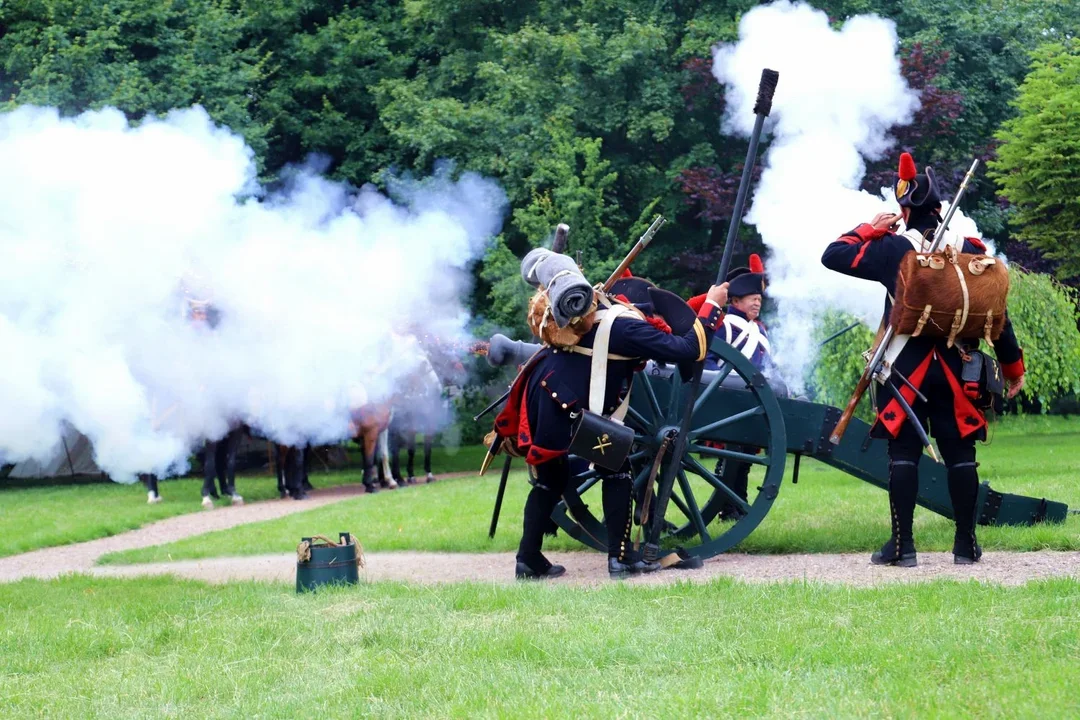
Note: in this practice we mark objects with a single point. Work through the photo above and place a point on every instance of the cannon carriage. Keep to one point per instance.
(736, 406)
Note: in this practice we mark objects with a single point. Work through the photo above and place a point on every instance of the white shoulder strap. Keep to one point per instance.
(598, 376)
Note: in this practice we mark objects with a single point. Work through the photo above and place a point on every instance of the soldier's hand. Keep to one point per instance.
(718, 294)
(886, 221)
(1015, 386)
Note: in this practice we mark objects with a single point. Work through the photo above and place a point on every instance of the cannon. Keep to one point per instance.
(736, 405)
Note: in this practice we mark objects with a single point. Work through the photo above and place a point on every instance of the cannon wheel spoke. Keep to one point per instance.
(746, 417)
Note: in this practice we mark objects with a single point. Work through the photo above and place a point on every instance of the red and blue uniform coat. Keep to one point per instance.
(554, 385)
(873, 254)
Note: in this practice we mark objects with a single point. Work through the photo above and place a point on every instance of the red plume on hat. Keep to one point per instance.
(756, 266)
(907, 173)
(907, 167)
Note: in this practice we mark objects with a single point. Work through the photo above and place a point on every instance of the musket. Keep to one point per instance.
(835, 335)
(642, 243)
(877, 368)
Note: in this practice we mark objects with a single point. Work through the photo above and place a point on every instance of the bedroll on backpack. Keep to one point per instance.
(952, 295)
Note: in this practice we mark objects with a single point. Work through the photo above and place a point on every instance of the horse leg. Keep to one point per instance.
(386, 478)
(368, 441)
(427, 457)
(305, 482)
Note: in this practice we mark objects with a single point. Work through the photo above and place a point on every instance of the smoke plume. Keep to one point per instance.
(107, 230)
(840, 92)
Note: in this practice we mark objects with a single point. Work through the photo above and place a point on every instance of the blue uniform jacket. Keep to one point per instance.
(553, 387)
(873, 254)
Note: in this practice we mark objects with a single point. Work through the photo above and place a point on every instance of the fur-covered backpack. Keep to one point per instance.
(950, 294)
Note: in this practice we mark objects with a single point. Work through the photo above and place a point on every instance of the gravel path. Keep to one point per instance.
(586, 568)
(81, 557)
(583, 568)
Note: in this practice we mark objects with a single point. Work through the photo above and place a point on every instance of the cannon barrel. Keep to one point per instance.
(504, 351)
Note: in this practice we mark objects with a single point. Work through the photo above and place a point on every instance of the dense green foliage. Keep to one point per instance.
(599, 113)
(1045, 317)
(1039, 158)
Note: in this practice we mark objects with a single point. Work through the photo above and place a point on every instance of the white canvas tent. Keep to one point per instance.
(74, 455)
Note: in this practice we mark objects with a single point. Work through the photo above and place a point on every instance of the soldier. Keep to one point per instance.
(219, 456)
(554, 389)
(743, 330)
(873, 251)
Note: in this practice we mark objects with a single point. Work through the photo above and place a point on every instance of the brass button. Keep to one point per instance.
(543, 383)
(554, 395)
(564, 406)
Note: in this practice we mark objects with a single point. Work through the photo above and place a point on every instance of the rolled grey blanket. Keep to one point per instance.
(569, 293)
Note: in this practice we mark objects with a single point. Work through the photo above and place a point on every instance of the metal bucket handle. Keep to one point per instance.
(303, 550)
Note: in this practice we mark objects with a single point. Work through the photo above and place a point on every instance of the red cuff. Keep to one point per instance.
(866, 231)
(710, 315)
(1013, 370)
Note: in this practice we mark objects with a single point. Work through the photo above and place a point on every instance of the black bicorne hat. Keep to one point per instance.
(916, 191)
(743, 281)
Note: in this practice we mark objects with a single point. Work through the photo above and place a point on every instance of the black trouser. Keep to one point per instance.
(394, 448)
(549, 481)
(151, 482)
(963, 477)
(735, 474)
(294, 472)
(219, 458)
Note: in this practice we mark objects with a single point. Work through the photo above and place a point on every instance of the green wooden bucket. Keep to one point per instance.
(327, 562)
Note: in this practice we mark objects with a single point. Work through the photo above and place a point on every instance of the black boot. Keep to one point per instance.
(966, 549)
(964, 492)
(894, 552)
(899, 550)
(526, 572)
(630, 564)
(622, 559)
(539, 505)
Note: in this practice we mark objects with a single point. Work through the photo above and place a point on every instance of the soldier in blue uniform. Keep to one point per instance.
(554, 387)
(742, 329)
(873, 251)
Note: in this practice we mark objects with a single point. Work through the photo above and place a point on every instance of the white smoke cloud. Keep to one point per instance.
(103, 229)
(839, 93)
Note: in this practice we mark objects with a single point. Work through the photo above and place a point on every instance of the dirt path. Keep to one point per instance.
(583, 568)
(82, 557)
(586, 568)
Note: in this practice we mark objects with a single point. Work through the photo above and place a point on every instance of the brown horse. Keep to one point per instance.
(367, 423)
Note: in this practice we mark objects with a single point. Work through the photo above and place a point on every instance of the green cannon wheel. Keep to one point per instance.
(735, 406)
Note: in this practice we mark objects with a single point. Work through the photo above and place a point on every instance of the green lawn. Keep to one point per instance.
(827, 511)
(36, 514)
(81, 647)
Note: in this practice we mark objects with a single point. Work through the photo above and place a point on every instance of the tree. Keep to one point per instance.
(1038, 165)
(141, 56)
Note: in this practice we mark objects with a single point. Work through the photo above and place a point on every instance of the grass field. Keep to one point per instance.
(36, 514)
(163, 648)
(827, 511)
